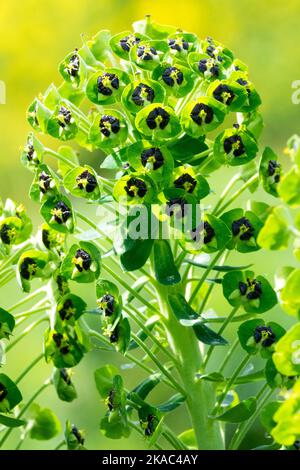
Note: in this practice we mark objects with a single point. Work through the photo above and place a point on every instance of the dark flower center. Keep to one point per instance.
(178, 44)
(242, 228)
(172, 76)
(64, 117)
(108, 125)
(235, 145)
(86, 181)
(264, 335)
(67, 311)
(158, 117)
(65, 376)
(136, 187)
(106, 83)
(128, 42)
(114, 336)
(73, 66)
(151, 424)
(242, 82)
(142, 93)
(82, 260)
(61, 343)
(30, 151)
(61, 212)
(146, 52)
(177, 206)
(204, 230)
(110, 400)
(251, 289)
(44, 182)
(274, 169)
(28, 268)
(75, 431)
(186, 182)
(7, 234)
(152, 157)
(210, 66)
(224, 94)
(107, 304)
(3, 392)
(202, 114)
(57, 338)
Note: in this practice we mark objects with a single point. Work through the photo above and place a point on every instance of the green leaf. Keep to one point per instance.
(174, 402)
(267, 413)
(136, 254)
(165, 269)
(275, 233)
(183, 311)
(11, 422)
(287, 352)
(221, 269)
(147, 385)
(45, 424)
(289, 187)
(239, 413)
(104, 379)
(188, 437)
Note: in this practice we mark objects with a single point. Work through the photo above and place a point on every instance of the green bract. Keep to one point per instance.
(68, 310)
(202, 115)
(58, 213)
(177, 79)
(82, 263)
(109, 130)
(7, 324)
(235, 146)
(82, 182)
(158, 122)
(270, 171)
(245, 227)
(32, 264)
(10, 395)
(253, 293)
(63, 384)
(142, 92)
(105, 87)
(257, 336)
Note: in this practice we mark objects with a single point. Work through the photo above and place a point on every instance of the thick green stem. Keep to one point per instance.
(200, 394)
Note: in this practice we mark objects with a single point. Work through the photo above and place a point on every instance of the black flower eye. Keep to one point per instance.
(242, 82)
(172, 76)
(210, 66)
(274, 169)
(210, 50)
(44, 182)
(129, 41)
(252, 289)
(114, 336)
(136, 187)
(28, 268)
(177, 206)
(204, 230)
(150, 425)
(77, 434)
(142, 93)
(67, 311)
(30, 151)
(65, 376)
(64, 116)
(186, 182)
(7, 234)
(235, 145)
(153, 157)
(110, 400)
(158, 117)
(242, 228)
(106, 83)
(107, 304)
(264, 335)
(73, 66)
(82, 260)
(146, 52)
(61, 212)
(108, 125)
(178, 44)
(57, 338)
(86, 181)
(224, 94)
(201, 113)
(3, 392)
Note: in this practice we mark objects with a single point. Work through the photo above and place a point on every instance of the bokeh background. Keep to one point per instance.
(36, 35)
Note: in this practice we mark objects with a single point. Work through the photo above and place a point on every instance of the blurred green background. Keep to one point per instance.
(36, 35)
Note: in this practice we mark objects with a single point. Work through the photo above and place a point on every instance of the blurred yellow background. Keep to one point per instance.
(36, 35)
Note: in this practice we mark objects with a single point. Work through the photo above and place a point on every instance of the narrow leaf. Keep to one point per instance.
(239, 413)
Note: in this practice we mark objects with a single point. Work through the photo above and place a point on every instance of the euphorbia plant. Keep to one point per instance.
(160, 111)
